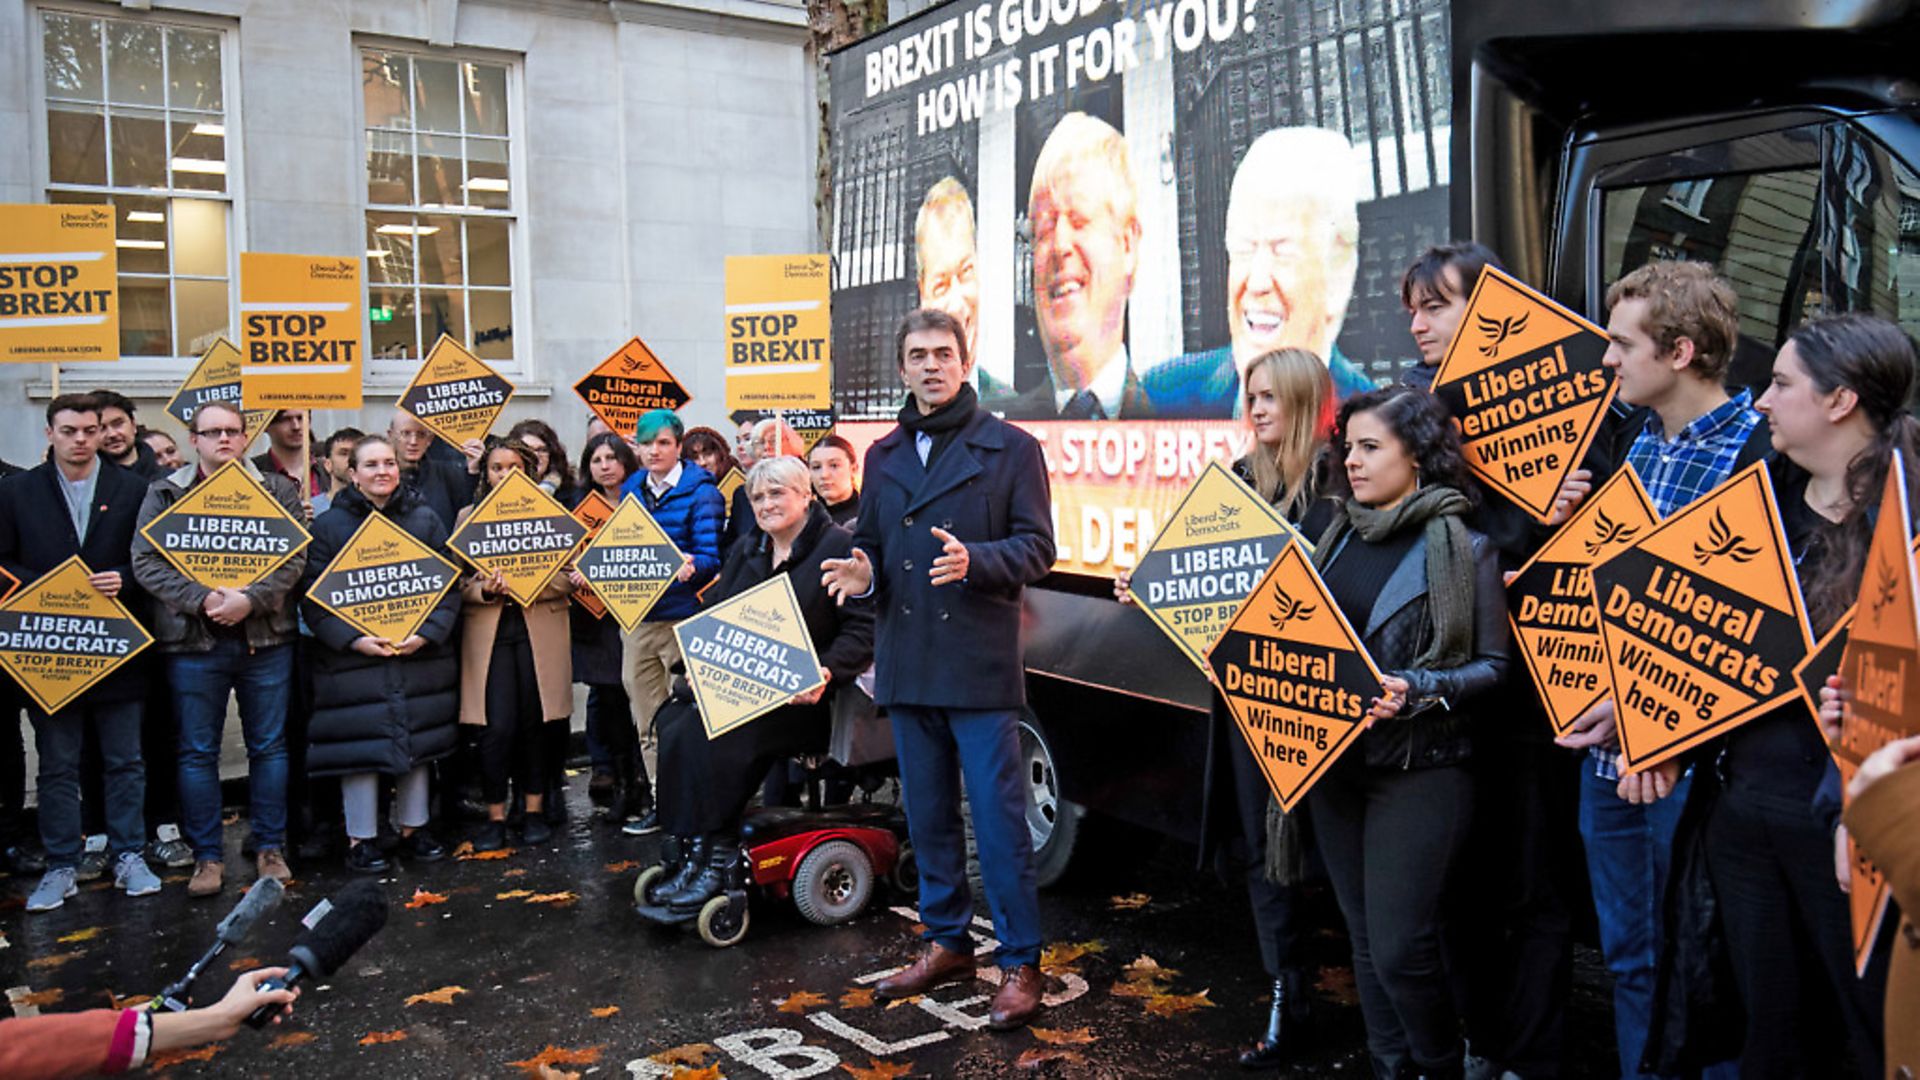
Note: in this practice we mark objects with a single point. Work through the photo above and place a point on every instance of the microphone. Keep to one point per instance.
(345, 922)
(259, 901)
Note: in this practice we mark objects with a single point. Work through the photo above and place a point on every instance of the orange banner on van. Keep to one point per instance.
(1703, 621)
(1550, 601)
(1524, 379)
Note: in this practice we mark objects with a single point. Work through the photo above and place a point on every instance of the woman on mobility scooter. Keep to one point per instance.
(704, 785)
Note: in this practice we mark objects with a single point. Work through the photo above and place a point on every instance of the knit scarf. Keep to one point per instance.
(1450, 574)
(942, 424)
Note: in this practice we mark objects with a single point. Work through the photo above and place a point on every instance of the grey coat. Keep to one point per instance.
(178, 624)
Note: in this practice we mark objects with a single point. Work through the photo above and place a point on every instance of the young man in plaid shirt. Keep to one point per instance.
(1674, 326)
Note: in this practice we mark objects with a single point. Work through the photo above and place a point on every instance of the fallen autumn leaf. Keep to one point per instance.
(423, 898)
(878, 1070)
(800, 1001)
(442, 996)
(375, 1038)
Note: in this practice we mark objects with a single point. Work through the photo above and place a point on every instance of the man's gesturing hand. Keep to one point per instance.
(951, 566)
(847, 578)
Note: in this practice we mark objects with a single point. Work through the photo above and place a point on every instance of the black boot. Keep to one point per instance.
(716, 873)
(1286, 1025)
(693, 856)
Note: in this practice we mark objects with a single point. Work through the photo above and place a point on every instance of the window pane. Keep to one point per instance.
(383, 84)
(193, 69)
(439, 251)
(442, 311)
(487, 174)
(76, 145)
(139, 149)
(200, 239)
(389, 168)
(487, 253)
(440, 179)
(200, 314)
(436, 95)
(485, 98)
(492, 324)
(390, 244)
(199, 152)
(145, 317)
(140, 230)
(133, 64)
(390, 324)
(72, 50)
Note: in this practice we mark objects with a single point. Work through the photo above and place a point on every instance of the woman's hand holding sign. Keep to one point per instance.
(367, 645)
(812, 697)
(1388, 705)
(685, 572)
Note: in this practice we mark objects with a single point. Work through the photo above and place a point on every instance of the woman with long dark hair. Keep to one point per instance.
(516, 675)
(551, 469)
(1288, 408)
(604, 467)
(1837, 408)
(1391, 815)
(380, 708)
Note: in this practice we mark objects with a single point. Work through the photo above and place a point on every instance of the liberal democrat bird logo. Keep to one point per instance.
(1884, 586)
(1722, 541)
(1500, 330)
(1608, 531)
(1289, 609)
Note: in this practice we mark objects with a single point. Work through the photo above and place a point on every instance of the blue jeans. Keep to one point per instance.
(1629, 851)
(935, 747)
(260, 680)
(57, 738)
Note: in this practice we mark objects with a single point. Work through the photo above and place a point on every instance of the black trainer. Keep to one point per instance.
(422, 847)
(535, 830)
(491, 836)
(364, 858)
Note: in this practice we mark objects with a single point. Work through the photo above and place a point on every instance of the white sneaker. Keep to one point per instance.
(54, 888)
(133, 876)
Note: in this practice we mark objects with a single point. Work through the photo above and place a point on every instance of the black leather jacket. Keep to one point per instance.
(1433, 729)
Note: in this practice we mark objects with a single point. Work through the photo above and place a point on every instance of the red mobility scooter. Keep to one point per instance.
(826, 860)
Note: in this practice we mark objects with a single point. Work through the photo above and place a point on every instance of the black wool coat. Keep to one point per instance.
(386, 714)
(36, 535)
(954, 646)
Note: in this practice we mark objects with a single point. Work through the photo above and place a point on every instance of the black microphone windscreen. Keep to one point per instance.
(259, 901)
(358, 912)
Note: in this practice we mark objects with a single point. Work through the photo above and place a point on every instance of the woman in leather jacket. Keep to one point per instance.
(1391, 816)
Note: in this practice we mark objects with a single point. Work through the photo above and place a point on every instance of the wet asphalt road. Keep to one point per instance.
(504, 966)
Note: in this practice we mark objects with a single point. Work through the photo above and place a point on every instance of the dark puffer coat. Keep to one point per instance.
(379, 715)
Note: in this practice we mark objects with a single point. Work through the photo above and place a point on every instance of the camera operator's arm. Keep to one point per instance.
(106, 1041)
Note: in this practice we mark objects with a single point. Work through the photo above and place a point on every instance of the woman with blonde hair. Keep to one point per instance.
(1289, 408)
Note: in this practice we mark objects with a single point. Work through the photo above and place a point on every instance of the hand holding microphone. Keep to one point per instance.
(260, 900)
(351, 918)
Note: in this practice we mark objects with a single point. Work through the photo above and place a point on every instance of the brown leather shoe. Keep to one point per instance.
(270, 863)
(1019, 998)
(937, 966)
(208, 877)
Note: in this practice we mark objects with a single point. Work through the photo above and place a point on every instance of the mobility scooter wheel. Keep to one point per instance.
(905, 878)
(833, 883)
(646, 879)
(723, 921)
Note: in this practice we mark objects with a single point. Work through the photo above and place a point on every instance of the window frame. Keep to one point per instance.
(393, 374)
(137, 371)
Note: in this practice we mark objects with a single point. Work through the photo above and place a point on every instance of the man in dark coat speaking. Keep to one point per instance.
(955, 521)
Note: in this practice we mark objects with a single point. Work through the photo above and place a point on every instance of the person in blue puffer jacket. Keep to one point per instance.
(686, 502)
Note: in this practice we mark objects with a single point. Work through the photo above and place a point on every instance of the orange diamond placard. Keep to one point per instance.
(1550, 601)
(630, 382)
(1523, 380)
(1881, 669)
(1294, 675)
(594, 511)
(1702, 620)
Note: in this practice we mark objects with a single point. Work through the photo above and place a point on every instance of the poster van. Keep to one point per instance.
(1121, 204)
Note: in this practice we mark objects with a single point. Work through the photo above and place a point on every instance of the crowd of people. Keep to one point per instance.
(1460, 837)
